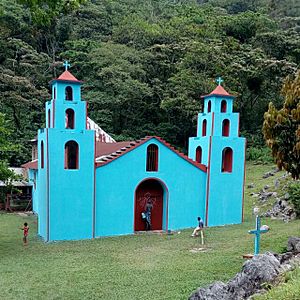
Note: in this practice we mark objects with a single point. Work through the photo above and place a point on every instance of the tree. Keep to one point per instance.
(281, 128)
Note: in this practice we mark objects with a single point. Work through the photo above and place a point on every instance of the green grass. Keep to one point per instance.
(289, 288)
(131, 267)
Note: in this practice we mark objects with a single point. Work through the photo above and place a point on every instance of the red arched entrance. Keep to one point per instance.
(149, 191)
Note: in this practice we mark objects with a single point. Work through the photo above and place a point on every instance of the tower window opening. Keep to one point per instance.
(71, 155)
(209, 106)
(223, 106)
(152, 158)
(70, 118)
(199, 154)
(227, 155)
(204, 125)
(42, 155)
(225, 127)
(54, 93)
(49, 118)
(69, 93)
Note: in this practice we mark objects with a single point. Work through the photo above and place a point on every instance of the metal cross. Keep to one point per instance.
(257, 233)
(219, 80)
(66, 65)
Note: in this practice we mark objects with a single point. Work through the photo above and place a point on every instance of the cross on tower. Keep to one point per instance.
(219, 80)
(257, 231)
(66, 65)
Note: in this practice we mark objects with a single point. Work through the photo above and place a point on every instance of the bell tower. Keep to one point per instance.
(219, 147)
(66, 164)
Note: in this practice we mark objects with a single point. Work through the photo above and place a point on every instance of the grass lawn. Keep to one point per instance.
(131, 267)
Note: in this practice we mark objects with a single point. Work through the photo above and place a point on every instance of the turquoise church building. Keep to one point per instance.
(87, 185)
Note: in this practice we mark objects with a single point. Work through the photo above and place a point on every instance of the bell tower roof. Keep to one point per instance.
(66, 75)
(219, 90)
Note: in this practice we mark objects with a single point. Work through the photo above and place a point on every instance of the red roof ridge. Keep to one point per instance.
(67, 76)
(105, 159)
(218, 91)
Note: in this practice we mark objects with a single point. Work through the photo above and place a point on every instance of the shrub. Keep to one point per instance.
(294, 192)
(259, 154)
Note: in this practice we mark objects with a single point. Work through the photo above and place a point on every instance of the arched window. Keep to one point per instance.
(54, 93)
(227, 160)
(49, 118)
(223, 106)
(225, 127)
(209, 106)
(204, 127)
(70, 120)
(152, 158)
(71, 155)
(69, 93)
(42, 155)
(199, 154)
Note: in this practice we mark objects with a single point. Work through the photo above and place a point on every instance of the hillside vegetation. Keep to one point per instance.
(146, 63)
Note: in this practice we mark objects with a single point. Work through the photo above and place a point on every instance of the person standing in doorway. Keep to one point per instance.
(148, 211)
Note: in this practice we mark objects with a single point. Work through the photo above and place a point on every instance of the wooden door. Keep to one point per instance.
(150, 192)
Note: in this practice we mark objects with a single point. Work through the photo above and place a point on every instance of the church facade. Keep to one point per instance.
(86, 186)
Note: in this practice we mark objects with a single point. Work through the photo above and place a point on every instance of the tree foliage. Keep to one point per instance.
(145, 63)
(282, 128)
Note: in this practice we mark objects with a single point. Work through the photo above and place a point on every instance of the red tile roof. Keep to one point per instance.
(67, 76)
(125, 147)
(31, 165)
(108, 148)
(218, 91)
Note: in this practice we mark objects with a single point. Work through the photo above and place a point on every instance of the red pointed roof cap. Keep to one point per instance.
(66, 75)
(219, 90)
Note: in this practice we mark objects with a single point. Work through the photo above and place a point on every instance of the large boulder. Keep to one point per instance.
(260, 269)
(293, 245)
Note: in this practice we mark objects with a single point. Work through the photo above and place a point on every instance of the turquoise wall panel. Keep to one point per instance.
(116, 182)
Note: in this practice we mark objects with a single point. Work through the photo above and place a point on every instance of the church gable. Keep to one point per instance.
(122, 148)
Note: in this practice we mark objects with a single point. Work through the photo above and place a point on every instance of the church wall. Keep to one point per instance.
(203, 142)
(226, 189)
(42, 189)
(233, 127)
(117, 181)
(71, 190)
(33, 180)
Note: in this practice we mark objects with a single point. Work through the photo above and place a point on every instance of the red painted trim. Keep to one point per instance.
(244, 182)
(53, 111)
(196, 164)
(208, 183)
(94, 196)
(213, 124)
(166, 190)
(208, 169)
(48, 191)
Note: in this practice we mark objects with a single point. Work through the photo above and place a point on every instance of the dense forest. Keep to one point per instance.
(145, 64)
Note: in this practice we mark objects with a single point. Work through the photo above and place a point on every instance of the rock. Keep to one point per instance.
(250, 186)
(276, 183)
(281, 210)
(293, 245)
(266, 187)
(286, 196)
(285, 257)
(255, 272)
(213, 292)
(268, 174)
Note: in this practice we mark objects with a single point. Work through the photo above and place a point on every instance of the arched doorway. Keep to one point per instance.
(149, 193)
